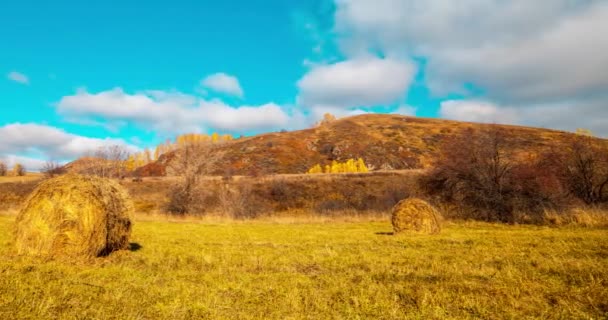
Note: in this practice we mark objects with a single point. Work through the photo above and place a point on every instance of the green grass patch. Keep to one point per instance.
(264, 270)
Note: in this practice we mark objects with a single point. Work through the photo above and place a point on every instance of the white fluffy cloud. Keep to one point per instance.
(515, 50)
(477, 111)
(359, 82)
(31, 142)
(540, 63)
(172, 111)
(405, 110)
(18, 77)
(223, 83)
(590, 114)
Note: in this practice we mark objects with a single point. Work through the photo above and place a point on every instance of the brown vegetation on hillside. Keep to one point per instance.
(479, 174)
(477, 171)
(384, 142)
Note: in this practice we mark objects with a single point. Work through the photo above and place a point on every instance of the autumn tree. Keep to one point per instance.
(147, 155)
(584, 132)
(3, 169)
(361, 166)
(157, 152)
(315, 169)
(131, 163)
(349, 166)
(18, 170)
(327, 118)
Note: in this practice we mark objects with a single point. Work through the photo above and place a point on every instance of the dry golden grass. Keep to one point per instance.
(588, 217)
(74, 216)
(309, 270)
(29, 177)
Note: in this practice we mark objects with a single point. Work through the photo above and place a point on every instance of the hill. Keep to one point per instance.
(385, 142)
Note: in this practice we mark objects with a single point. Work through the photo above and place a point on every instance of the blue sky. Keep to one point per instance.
(78, 75)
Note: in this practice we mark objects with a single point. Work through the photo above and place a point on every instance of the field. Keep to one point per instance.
(313, 270)
(29, 177)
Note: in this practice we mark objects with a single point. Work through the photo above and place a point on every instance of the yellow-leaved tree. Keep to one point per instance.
(361, 167)
(349, 166)
(130, 163)
(315, 169)
(18, 170)
(584, 132)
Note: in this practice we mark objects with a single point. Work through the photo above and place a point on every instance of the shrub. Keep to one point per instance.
(238, 201)
(183, 198)
(18, 170)
(74, 216)
(477, 172)
(3, 169)
(415, 215)
(52, 169)
(582, 168)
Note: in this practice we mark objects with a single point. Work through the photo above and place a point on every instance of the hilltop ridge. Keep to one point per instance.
(385, 142)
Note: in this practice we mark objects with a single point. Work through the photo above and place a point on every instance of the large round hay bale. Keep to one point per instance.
(74, 216)
(415, 215)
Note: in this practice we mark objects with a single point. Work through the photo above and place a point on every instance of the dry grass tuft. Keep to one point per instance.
(589, 217)
(415, 215)
(74, 216)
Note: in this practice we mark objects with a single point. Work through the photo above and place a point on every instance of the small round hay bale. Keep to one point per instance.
(415, 215)
(74, 216)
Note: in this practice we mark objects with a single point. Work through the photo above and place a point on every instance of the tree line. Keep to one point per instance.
(18, 170)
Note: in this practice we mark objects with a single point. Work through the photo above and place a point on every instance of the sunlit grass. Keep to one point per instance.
(336, 270)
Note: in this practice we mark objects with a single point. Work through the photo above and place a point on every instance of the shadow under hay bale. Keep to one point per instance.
(415, 215)
(74, 216)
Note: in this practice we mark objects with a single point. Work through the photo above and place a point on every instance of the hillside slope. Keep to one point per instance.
(385, 142)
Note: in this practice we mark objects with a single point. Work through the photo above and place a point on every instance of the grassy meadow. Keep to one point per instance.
(314, 270)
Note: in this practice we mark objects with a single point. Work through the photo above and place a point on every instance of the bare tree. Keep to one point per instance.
(109, 161)
(474, 170)
(52, 168)
(582, 167)
(189, 163)
(3, 169)
(118, 155)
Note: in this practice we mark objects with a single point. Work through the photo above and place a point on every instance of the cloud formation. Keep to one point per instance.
(477, 111)
(18, 77)
(223, 83)
(172, 112)
(588, 114)
(29, 142)
(532, 56)
(359, 82)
